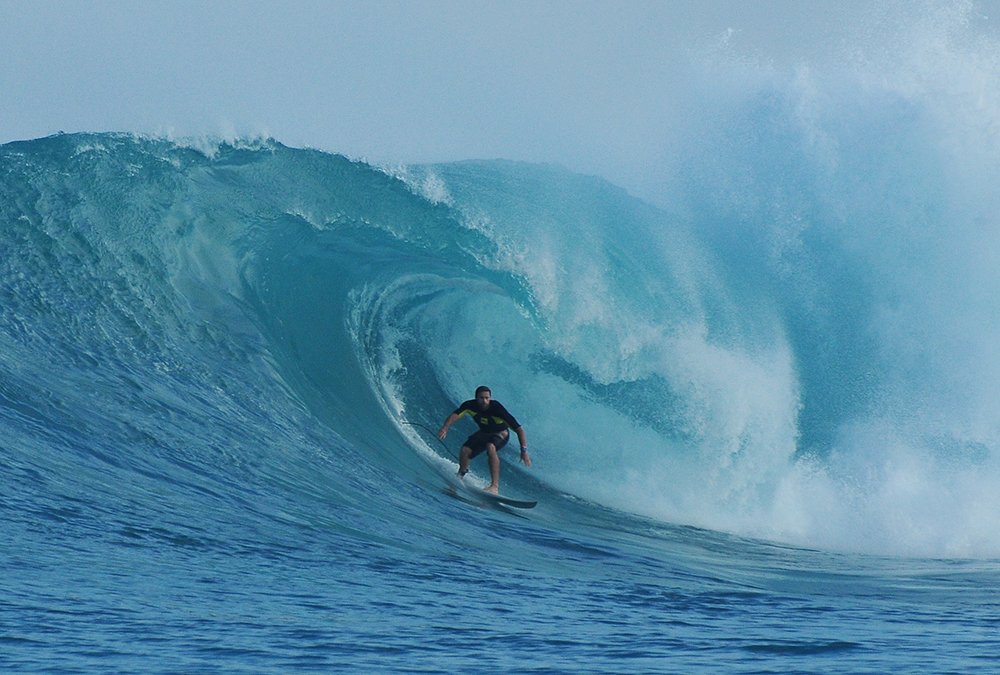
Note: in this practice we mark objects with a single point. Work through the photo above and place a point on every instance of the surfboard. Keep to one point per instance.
(474, 493)
(500, 499)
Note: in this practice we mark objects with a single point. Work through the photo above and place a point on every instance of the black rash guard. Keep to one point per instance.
(492, 420)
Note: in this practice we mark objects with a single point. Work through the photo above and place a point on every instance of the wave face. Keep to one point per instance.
(210, 355)
(812, 368)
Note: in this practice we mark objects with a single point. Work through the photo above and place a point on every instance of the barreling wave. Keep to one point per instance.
(231, 313)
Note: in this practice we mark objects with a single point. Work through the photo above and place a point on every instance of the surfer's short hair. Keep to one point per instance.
(481, 389)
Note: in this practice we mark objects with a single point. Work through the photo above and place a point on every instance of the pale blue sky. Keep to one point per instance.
(601, 87)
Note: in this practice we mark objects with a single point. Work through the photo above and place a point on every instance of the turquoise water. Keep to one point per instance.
(758, 419)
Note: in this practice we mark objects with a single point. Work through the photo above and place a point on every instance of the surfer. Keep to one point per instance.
(495, 424)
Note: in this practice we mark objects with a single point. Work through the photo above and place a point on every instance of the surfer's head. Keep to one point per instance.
(483, 396)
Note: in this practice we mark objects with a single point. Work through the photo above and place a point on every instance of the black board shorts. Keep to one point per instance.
(478, 441)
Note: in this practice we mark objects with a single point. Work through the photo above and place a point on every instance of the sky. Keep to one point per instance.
(600, 87)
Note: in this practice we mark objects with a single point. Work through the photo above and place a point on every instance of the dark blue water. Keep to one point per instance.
(750, 454)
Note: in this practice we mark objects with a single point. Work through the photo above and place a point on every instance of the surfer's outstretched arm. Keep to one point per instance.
(523, 440)
(443, 431)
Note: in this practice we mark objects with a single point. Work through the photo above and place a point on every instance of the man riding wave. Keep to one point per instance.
(495, 423)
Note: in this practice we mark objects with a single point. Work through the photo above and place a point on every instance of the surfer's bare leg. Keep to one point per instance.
(463, 461)
(494, 457)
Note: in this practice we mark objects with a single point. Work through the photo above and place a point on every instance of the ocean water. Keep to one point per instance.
(762, 413)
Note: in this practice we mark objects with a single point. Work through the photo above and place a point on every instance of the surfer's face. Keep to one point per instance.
(483, 400)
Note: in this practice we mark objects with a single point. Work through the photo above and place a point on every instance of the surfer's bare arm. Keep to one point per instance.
(523, 439)
(452, 418)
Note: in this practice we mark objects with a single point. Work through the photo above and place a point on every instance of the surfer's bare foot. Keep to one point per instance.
(492, 489)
